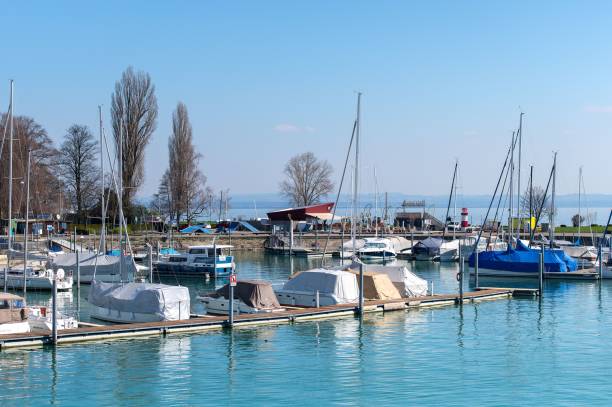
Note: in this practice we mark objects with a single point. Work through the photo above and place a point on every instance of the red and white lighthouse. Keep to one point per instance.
(464, 218)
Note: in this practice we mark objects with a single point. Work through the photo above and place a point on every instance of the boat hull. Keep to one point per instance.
(220, 306)
(36, 283)
(124, 317)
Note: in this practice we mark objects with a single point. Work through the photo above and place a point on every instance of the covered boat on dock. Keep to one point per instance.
(427, 249)
(250, 297)
(406, 282)
(331, 286)
(522, 261)
(377, 286)
(105, 267)
(138, 302)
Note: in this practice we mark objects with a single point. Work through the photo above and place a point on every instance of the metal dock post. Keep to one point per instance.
(541, 271)
(54, 306)
(361, 267)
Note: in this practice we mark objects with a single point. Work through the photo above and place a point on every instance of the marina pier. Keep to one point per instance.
(198, 323)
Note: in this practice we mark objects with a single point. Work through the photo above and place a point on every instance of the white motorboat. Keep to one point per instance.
(13, 314)
(250, 297)
(41, 318)
(378, 248)
(330, 286)
(212, 260)
(449, 250)
(36, 279)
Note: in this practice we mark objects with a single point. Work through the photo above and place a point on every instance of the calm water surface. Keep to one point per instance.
(507, 352)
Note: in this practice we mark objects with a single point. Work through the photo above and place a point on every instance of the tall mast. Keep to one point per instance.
(552, 203)
(375, 204)
(511, 203)
(356, 178)
(530, 196)
(455, 203)
(10, 180)
(579, 199)
(102, 207)
(518, 189)
(450, 197)
(25, 230)
(120, 199)
(10, 192)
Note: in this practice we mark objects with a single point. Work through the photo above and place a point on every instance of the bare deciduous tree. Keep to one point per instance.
(307, 179)
(134, 116)
(534, 199)
(184, 180)
(44, 184)
(78, 166)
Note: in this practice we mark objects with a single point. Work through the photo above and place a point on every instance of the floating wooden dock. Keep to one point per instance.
(91, 332)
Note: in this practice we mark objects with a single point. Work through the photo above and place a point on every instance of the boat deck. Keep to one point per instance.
(199, 323)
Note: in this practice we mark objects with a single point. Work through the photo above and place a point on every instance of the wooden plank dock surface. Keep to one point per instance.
(204, 323)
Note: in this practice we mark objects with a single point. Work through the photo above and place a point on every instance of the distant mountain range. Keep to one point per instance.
(395, 199)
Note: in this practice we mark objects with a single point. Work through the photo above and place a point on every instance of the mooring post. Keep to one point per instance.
(150, 262)
(231, 301)
(54, 307)
(317, 301)
(477, 284)
(600, 256)
(432, 288)
(541, 273)
(361, 267)
(461, 268)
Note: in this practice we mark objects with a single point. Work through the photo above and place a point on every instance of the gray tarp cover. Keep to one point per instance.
(167, 301)
(105, 263)
(256, 294)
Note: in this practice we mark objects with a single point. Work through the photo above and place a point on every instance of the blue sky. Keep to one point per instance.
(266, 80)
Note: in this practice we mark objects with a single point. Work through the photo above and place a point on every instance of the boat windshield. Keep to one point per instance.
(375, 245)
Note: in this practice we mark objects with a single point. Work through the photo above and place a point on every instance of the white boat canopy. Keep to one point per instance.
(339, 284)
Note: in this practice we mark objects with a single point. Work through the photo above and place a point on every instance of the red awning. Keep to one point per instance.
(320, 211)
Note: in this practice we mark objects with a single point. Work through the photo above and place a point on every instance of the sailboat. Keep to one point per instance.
(521, 260)
(586, 256)
(129, 301)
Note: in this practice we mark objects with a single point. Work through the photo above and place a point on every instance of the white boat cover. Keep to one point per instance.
(105, 264)
(169, 303)
(341, 285)
(399, 243)
(407, 283)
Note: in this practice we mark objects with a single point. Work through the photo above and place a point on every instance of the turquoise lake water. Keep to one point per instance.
(504, 352)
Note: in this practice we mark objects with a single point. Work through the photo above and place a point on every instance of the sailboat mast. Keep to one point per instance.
(120, 199)
(511, 202)
(375, 204)
(356, 178)
(518, 188)
(455, 204)
(530, 196)
(10, 180)
(25, 230)
(450, 197)
(10, 192)
(102, 207)
(552, 203)
(579, 199)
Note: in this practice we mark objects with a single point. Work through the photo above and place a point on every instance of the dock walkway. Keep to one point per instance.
(205, 323)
